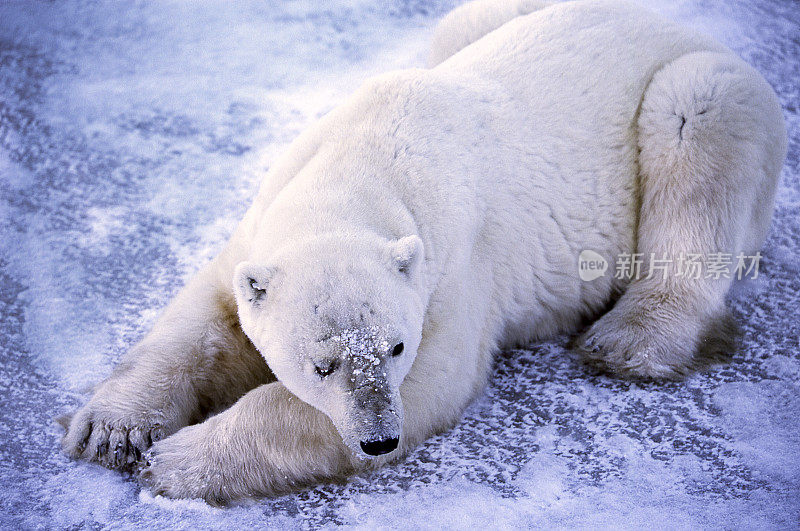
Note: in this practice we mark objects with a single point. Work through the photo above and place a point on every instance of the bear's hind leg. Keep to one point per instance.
(469, 22)
(712, 143)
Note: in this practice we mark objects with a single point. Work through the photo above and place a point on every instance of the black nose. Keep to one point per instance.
(379, 447)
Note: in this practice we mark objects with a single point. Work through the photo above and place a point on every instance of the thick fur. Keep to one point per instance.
(445, 209)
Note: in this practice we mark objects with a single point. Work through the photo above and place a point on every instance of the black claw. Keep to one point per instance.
(85, 441)
(118, 451)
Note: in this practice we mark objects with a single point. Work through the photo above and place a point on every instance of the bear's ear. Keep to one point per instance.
(251, 281)
(406, 254)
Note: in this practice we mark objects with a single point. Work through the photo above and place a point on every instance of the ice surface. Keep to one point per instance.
(133, 135)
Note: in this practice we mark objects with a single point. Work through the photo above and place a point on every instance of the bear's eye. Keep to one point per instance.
(326, 370)
(398, 349)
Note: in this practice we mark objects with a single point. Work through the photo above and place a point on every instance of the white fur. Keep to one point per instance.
(446, 208)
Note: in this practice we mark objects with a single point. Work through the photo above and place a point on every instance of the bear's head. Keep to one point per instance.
(339, 320)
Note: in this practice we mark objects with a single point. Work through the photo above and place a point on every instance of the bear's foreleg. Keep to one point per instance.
(271, 442)
(712, 143)
(195, 360)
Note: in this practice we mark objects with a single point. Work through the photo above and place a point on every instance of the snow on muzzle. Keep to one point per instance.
(376, 417)
(373, 412)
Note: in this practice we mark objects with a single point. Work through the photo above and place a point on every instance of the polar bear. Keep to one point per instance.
(438, 216)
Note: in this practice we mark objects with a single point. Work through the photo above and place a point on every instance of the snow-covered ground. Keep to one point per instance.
(132, 137)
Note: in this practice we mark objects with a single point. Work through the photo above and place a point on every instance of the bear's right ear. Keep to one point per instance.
(406, 254)
(251, 281)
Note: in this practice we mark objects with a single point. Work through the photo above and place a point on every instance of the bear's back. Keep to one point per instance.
(522, 148)
(562, 175)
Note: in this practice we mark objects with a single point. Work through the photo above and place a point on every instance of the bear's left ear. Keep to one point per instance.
(251, 281)
(406, 254)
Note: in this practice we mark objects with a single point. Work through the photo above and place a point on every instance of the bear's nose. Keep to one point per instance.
(379, 447)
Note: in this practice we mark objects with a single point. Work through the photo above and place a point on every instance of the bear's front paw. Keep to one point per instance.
(114, 430)
(637, 344)
(186, 465)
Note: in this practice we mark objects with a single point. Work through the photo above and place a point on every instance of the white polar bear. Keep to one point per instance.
(436, 217)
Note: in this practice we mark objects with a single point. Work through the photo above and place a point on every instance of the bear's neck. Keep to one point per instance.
(408, 195)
